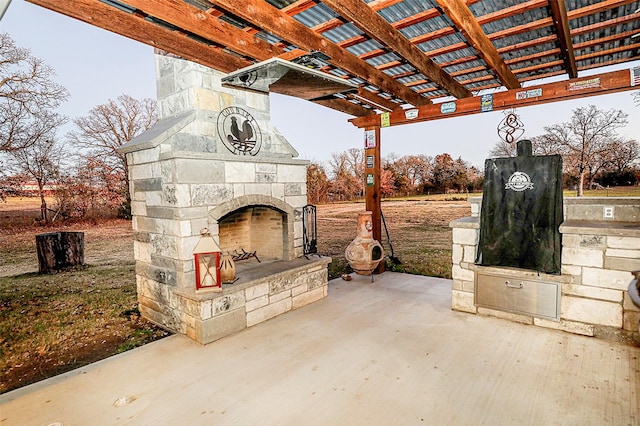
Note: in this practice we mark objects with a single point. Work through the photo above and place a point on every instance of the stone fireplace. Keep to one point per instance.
(215, 161)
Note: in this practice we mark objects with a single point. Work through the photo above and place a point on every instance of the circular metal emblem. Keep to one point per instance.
(239, 131)
(519, 181)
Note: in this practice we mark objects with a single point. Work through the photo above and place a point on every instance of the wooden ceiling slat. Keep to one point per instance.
(605, 24)
(607, 52)
(561, 21)
(597, 8)
(603, 40)
(265, 16)
(345, 106)
(537, 55)
(375, 100)
(462, 17)
(192, 19)
(132, 26)
(298, 7)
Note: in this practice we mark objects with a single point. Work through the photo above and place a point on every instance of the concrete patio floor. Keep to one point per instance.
(390, 352)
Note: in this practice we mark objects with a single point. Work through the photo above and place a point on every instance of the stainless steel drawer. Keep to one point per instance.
(528, 297)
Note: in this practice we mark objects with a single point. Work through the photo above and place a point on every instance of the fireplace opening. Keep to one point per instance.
(259, 229)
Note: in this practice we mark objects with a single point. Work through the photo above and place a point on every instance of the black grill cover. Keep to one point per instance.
(521, 213)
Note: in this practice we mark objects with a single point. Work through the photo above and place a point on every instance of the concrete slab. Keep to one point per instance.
(387, 352)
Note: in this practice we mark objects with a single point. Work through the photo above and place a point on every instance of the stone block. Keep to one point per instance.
(592, 241)
(277, 191)
(144, 156)
(164, 245)
(299, 289)
(211, 194)
(631, 243)
(262, 314)
(142, 251)
(144, 171)
(589, 311)
(631, 254)
(194, 170)
(138, 208)
(568, 326)
(583, 257)
(456, 254)
(465, 236)
(292, 173)
(574, 271)
(205, 99)
(309, 297)
(205, 309)
(228, 302)
(146, 185)
(617, 280)
(238, 172)
(258, 189)
(627, 303)
(523, 319)
(154, 198)
(256, 291)
(458, 273)
(276, 297)
(631, 321)
(256, 303)
(622, 263)
(592, 292)
(469, 254)
(215, 328)
(462, 301)
(296, 201)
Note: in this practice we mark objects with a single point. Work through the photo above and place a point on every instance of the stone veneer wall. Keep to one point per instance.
(598, 255)
(182, 179)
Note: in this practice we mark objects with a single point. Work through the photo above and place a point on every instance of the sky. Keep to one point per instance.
(96, 65)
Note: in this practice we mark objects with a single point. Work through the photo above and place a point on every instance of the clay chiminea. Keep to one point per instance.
(364, 253)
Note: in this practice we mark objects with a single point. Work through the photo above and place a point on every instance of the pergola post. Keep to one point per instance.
(373, 198)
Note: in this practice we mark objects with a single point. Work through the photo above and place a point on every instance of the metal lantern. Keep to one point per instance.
(207, 258)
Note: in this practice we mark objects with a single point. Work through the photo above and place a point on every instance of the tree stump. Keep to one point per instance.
(58, 250)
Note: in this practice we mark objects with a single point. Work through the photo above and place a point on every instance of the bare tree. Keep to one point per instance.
(111, 125)
(41, 161)
(28, 96)
(587, 142)
(347, 169)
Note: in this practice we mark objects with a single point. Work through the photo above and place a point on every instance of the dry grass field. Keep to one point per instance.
(53, 323)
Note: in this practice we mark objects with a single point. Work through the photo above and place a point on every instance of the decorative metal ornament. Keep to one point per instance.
(239, 131)
(510, 128)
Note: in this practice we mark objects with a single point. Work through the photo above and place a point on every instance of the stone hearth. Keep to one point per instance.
(215, 161)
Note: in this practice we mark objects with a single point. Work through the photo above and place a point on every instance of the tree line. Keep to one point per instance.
(344, 177)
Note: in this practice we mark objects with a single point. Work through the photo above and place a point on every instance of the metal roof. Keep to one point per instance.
(406, 52)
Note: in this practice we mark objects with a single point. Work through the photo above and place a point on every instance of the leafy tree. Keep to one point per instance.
(387, 184)
(28, 97)
(111, 125)
(411, 172)
(587, 142)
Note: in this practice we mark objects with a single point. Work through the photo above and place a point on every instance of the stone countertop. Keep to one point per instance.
(255, 276)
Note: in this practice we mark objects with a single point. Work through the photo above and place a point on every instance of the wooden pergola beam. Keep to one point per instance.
(194, 20)
(263, 15)
(376, 27)
(464, 20)
(129, 25)
(561, 22)
(600, 84)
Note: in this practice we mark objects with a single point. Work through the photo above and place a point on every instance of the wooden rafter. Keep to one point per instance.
(345, 106)
(375, 100)
(469, 26)
(194, 20)
(561, 22)
(263, 15)
(133, 26)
